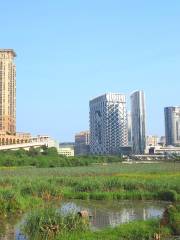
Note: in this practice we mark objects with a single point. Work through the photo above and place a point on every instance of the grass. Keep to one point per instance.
(18, 186)
(141, 230)
(47, 223)
(24, 188)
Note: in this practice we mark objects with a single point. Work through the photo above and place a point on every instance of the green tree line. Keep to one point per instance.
(49, 157)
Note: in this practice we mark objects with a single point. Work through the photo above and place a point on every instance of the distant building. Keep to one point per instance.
(138, 116)
(47, 140)
(82, 143)
(108, 124)
(152, 140)
(66, 151)
(20, 142)
(8, 139)
(167, 150)
(67, 144)
(129, 129)
(7, 91)
(162, 141)
(8, 133)
(172, 125)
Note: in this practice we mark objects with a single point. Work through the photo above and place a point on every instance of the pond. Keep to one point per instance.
(103, 214)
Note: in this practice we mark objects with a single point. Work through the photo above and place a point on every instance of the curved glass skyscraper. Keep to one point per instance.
(138, 117)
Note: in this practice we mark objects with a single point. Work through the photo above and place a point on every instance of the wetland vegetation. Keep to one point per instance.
(35, 179)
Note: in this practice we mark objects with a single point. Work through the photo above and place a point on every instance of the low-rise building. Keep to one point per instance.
(152, 141)
(66, 151)
(17, 138)
(168, 150)
(25, 141)
(47, 140)
(162, 141)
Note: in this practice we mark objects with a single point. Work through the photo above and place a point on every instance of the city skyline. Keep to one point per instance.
(71, 53)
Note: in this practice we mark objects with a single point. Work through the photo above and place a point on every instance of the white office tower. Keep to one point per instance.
(172, 125)
(138, 116)
(108, 124)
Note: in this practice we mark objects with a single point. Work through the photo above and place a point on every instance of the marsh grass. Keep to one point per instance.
(48, 223)
(24, 188)
(141, 230)
(20, 188)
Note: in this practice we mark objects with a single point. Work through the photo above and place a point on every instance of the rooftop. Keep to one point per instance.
(109, 94)
(8, 50)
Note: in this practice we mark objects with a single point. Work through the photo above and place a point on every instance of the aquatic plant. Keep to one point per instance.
(47, 223)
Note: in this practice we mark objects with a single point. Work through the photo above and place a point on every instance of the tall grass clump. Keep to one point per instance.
(42, 189)
(48, 223)
(11, 201)
(171, 218)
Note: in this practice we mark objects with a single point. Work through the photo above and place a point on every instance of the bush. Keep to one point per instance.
(48, 157)
(168, 195)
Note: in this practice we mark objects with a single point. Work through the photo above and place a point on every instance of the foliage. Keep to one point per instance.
(141, 230)
(47, 223)
(98, 182)
(23, 188)
(173, 214)
(48, 157)
(168, 195)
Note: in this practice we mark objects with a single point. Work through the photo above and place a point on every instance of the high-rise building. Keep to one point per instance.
(172, 125)
(7, 91)
(82, 143)
(129, 129)
(8, 134)
(138, 114)
(108, 124)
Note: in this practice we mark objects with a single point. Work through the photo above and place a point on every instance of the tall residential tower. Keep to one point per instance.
(138, 116)
(7, 91)
(108, 124)
(172, 125)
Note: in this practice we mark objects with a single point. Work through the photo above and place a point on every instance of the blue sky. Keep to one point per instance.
(70, 51)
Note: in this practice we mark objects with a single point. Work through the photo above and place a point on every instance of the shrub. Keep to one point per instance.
(168, 195)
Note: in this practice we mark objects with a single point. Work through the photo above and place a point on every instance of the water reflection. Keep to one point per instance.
(114, 213)
(104, 213)
(7, 227)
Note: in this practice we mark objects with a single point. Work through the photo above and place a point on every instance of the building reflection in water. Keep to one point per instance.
(113, 214)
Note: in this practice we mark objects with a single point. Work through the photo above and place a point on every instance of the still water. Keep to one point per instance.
(113, 213)
(103, 214)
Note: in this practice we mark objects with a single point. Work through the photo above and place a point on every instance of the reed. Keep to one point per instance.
(48, 223)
